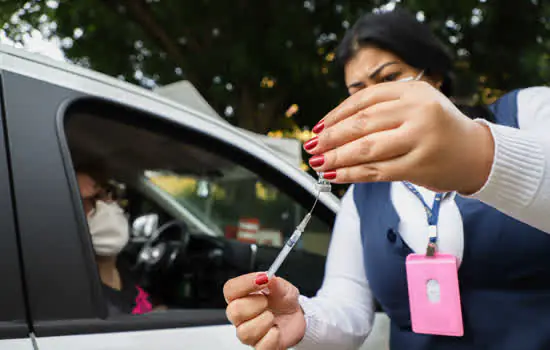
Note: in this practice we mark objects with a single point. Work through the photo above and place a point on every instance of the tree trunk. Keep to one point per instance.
(252, 117)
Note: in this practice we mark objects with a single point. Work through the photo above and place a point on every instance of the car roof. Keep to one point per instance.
(100, 85)
(38, 61)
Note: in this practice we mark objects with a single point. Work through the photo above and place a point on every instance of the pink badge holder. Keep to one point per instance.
(434, 294)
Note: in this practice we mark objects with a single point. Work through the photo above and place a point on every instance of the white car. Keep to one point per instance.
(206, 201)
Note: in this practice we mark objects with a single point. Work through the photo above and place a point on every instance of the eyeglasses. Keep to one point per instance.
(102, 194)
(106, 192)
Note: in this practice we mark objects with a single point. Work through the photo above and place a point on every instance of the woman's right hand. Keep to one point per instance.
(267, 314)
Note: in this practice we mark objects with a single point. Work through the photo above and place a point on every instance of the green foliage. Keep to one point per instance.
(502, 44)
(228, 48)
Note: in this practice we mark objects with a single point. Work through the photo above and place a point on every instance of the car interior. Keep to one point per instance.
(187, 200)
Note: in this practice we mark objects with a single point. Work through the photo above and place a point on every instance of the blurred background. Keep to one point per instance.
(268, 66)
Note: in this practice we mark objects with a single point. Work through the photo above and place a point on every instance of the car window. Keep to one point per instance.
(242, 206)
(172, 216)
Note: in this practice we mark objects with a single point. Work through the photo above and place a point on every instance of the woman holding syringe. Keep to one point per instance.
(418, 230)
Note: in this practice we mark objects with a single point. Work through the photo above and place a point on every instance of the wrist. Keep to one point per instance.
(518, 169)
(482, 153)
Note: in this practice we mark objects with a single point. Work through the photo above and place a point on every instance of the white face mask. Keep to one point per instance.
(109, 228)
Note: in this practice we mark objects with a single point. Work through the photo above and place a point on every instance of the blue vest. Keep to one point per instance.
(504, 276)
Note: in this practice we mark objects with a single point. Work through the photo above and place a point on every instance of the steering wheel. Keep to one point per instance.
(154, 249)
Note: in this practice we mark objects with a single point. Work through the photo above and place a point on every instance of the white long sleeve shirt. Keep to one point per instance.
(341, 315)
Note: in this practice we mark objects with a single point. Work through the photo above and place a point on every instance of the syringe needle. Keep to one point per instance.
(322, 186)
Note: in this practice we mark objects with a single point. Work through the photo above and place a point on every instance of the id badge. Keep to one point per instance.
(434, 295)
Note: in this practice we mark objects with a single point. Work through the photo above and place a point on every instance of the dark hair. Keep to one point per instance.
(94, 168)
(399, 32)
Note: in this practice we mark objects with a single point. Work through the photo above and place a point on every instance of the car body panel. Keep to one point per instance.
(17, 344)
(209, 337)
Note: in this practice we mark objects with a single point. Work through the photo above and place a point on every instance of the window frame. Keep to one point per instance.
(206, 142)
(14, 318)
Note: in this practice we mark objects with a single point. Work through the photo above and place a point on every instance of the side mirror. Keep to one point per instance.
(145, 225)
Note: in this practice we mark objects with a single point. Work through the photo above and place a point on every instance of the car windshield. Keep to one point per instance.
(180, 189)
(229, 204)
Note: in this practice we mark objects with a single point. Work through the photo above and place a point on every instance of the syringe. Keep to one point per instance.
(322, 186)
(288, 246)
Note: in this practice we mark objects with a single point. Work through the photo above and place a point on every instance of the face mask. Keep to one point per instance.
(109, 228)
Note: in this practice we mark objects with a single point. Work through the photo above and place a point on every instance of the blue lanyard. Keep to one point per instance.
(432, 213)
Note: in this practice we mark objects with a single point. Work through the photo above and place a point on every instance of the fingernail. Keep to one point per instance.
(261, 279)
(330, 175)
(265, 291)
(317, 161)
(319, 127)
(311, 143)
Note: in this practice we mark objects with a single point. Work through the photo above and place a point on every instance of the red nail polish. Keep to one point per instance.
(319, 127)
(261, 279)
(317, 161)
(311, 143)
(330, 175)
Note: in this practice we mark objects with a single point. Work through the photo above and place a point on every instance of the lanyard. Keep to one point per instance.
(432, 214)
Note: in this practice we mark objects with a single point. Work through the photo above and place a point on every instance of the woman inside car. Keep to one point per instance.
(109, 230)
(435, 189)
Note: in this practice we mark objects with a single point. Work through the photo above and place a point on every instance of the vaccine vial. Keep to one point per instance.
(322, 184)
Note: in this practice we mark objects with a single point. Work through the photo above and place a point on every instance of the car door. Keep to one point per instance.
(66, 300)
(14, 315)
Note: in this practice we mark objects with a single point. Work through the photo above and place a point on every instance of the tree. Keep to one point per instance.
(500, 45)
(252, 60)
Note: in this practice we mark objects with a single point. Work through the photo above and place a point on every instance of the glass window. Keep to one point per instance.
(196, 215)
(241, 206)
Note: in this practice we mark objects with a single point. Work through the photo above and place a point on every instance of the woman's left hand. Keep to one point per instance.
(402, 131)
